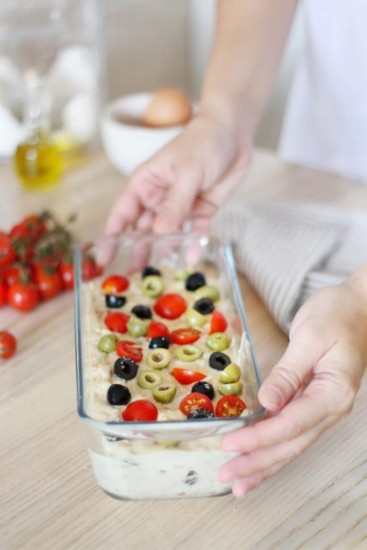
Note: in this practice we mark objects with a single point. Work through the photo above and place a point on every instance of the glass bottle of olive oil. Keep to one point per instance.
(38, 161)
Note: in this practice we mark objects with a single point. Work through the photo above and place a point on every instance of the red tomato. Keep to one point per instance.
(31, 227)
(48, 281)
(230, 405)
(194, 401)
(23, 297)
(184, 336)
(114, 284)
(8, 344)
(66, 274)
(16, 273)
(156, 329)
(170, 306)
(3, 294)
(218, 323)
(117, 321)
(7, 252)
(90, 269)
(140, 411)
(127, 348)
(184, 376)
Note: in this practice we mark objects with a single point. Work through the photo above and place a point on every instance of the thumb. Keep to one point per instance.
(289, 373)
(177, 205)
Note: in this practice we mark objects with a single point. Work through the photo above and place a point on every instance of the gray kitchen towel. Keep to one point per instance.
(289, 251)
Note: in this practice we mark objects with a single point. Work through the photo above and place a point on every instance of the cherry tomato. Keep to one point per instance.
(3, 293)
(117, 321)
(230, 405)
(127, 348)
(140, 411)
(185, 376)
(170, 306)
(184, 336)
(48, 281)
(156, 329)
(218, 323)
(7, 252)
(8, 344)
(66, 274)
(193, 401)
(16, 273)
(90, 269)
(114, 284)
(23, 297)
(31, 227)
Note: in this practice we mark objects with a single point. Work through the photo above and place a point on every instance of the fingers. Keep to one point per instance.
(289, 373)
(126, 212)
(244, 485)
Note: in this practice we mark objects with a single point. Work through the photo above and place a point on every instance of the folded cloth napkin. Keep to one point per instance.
(288, 251)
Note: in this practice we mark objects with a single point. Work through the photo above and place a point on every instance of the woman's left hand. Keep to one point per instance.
(312, 386)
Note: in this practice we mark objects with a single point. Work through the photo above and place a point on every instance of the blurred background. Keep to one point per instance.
(153, 44)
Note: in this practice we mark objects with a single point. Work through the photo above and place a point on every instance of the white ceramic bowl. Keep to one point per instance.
(127, 143)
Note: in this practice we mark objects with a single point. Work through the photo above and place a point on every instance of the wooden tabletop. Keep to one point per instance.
(48, 495)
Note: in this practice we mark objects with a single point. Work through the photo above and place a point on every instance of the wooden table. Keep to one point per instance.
(48, 496)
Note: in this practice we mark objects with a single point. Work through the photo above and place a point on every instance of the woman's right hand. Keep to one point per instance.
(186, 180)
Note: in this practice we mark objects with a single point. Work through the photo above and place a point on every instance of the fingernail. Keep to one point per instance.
(271, 397)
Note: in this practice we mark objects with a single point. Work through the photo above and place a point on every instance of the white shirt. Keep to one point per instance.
(325, 125)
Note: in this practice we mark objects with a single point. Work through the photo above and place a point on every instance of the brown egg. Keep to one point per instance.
(168, 107)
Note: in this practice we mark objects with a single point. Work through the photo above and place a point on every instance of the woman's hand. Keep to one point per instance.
(312, 386)
(187, 180)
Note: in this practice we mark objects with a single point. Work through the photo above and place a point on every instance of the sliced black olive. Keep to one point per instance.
(150, 270)
(219, 360)
(143, 312)
(204, 306)
(118, 395)
(114, 301)
(125, 367)
(200, 413)
(159, 342)
(204, 387)
(194, 281)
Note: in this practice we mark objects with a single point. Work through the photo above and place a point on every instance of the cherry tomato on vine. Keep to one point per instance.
(218, 322)
(31, 227)
(48, 281)
(90, 269)
(115, 284)
(7, 252)
(117, 322)
(170, 306)
(8, 344)
(140, 410)
(230, 405)
(127, 348)
(183, 336)
(16, 273)
(194, 401)
(155, 329)
(185, 376)
(3, 293)
(65, 271)
(23, 297)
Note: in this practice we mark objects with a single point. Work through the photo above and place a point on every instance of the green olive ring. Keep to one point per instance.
(148, 379)
(218, 341)
(165, 393)
(152, 286)
(230, 389)
(137, 327)
(207, 292)
(231, 373)
(158, 358)
(188, 353)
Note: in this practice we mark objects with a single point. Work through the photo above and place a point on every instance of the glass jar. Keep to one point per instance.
(51, 84)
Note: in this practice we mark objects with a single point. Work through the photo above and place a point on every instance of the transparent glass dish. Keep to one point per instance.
(166, 458)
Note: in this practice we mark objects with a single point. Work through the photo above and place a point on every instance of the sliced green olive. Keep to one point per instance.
(230, 389)
(165, 393)
(218, 341)
(188, 353)
(148, 379)
(137, 327)
(152, 286)
(107, 343)
(158, 358)
(231, 373)
(183, 274)
(168, 444)
(194, 319)
(208, 292)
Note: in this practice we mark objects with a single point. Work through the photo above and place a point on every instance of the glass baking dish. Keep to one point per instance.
(166, 458)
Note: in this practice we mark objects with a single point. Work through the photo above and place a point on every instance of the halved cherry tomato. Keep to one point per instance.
(170, 306)
(193, 401)
(218, 323)
(186, 335)
(3, 293)
(114, 284)
(116, 321)
(66, 274)
(127, 348)
(185, 376)
(8, 344)
(140, 411)
(23, 297)
(47, 280)
(156, 329)
(7, 252)
(230, 405)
